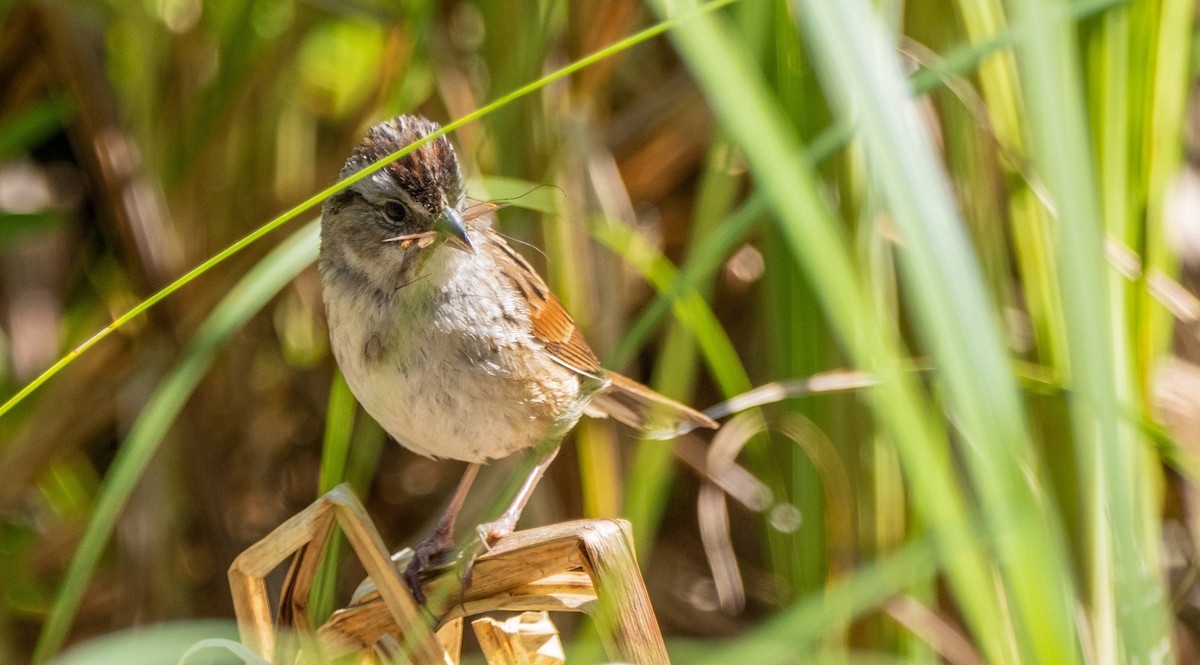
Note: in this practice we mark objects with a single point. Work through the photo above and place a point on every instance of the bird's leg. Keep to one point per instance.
(490, 532)
(441, 541)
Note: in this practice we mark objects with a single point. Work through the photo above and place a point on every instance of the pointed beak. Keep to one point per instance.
(451, 225)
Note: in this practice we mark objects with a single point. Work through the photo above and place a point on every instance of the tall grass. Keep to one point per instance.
(942, 227)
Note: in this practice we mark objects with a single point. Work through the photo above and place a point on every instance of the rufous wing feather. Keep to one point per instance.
(640, 407)
(552, 325)
(620, 398)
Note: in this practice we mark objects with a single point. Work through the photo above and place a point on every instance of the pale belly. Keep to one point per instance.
(452, 371)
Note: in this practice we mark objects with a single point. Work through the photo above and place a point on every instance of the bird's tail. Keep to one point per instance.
(640, 407)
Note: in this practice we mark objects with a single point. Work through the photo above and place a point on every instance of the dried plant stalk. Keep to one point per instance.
(584, 566)
(315, 524)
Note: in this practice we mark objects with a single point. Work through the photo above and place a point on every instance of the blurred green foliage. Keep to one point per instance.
(749, 198)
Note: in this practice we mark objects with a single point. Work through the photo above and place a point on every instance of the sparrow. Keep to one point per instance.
(448, 337)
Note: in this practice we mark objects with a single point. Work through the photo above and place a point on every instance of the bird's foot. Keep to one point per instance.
(436, 551)
(428, 554)
(491, 532)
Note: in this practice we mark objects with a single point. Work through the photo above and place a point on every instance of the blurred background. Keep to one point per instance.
(736, 203)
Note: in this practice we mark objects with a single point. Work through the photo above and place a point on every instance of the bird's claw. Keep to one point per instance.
(434, 552)
(427, 554)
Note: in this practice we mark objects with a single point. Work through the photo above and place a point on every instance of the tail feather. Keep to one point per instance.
(640, 407)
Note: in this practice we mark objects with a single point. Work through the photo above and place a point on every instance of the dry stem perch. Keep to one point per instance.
(583, 566)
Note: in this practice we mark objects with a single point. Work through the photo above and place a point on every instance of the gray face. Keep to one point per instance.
(407, 196)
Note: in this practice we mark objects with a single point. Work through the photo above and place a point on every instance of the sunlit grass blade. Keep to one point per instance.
(320, 196)
(752, 119)
(1028, 219)
(1115, 170)
(1165, 123)
(1126, 599)
(247, 297)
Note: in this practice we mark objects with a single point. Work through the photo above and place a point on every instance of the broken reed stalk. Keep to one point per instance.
(583, 566)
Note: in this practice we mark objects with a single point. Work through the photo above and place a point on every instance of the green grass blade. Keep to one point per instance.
(339, 426)
(1165, 120)
(1126, 598)
(1028, 219)
(1112, 113)
(246, 298)
(335, 460)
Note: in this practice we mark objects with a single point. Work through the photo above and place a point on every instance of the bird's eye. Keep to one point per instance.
(395, 211)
